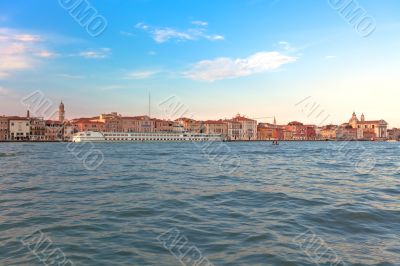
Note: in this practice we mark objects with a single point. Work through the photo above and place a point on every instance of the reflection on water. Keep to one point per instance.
(114, 215)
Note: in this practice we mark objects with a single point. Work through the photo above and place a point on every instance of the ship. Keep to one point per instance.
(91, 136)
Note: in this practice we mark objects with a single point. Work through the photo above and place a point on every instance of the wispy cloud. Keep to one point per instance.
(165, 34)
(286, 46)
(20, 51)
(126, 33)
(96, 53)
(200, 23)
(140, 74)
(228, 68)
(27, 38)
(46, 54)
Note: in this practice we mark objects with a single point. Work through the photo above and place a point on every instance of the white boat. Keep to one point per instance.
(391, 140)
(91, 136)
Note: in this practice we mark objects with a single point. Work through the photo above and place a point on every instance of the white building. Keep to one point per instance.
(19, 128)
(248, 129)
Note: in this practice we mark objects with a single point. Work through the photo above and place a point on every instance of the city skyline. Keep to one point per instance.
(277, 56)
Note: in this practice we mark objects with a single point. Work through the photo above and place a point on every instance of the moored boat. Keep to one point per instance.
(90, 136)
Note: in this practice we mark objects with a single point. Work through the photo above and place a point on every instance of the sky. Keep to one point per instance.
(309, 61)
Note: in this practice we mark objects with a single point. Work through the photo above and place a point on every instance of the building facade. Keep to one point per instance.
(19, 129)
(372, 129)
(4, 134)
(141, 124)
(216, 127)
(248, 129)
(38, 129)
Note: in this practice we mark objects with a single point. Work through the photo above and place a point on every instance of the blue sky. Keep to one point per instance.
(219, 58)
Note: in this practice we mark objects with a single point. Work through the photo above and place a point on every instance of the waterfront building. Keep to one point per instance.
(347, 132)
(37, 129)
(394, 134)
(267, 131)
(88, 124)
(327, 132)
(4, 134)
(61, 112)
(163, 125)
(54, 130)
(234, 129)
(368, 128)
(299, 131)
(141, 124)
(248, 130)
(69, 131)
(287, 134)
(216, 127)
(311, 132)
(191, 125)
(19, 128)
(112, 122)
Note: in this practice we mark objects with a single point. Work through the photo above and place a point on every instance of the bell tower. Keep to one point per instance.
(61, 112)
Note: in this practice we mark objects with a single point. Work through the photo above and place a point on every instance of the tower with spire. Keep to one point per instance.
(362, 118)
(61, 112)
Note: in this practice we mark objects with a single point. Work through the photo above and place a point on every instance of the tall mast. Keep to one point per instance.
(149, 105)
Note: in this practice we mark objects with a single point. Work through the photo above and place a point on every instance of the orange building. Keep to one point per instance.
(88, 124)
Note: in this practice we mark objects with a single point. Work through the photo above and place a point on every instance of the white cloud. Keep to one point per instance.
(45, 54)
(165, 34)
(286, 46)
(140, 74)
(200, 23)
(228, 68)
(96, 54)
(19, 51)
(27, 38)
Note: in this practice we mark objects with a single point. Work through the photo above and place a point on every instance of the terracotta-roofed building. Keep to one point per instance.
(248, 127)
(191, 125)
(138, 124)
(87, 124)
(216, 127)
(327, 132)
(377, 127)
